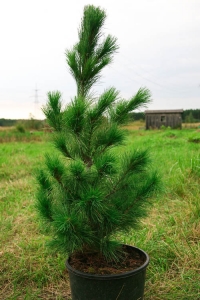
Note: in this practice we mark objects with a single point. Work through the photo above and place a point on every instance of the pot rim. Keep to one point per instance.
(106, 276)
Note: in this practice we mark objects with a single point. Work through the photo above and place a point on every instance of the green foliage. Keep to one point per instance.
(120, 113)
(11, 135)
(20, 128)
(30, 124)
(33, 124)
(7, 122)
(53, 110)
(191, 115)
(137, 116)
(89, 191)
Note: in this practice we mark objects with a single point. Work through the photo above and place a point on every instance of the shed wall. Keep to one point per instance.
(156, 120)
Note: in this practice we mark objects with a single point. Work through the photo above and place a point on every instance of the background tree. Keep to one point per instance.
(89, 190)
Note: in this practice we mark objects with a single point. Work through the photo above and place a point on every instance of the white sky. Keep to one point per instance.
(159, 48)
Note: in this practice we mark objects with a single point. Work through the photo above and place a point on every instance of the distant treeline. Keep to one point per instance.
(29, 124)
(191, 115)
(188, 116)
(137, 116)
(7, 122)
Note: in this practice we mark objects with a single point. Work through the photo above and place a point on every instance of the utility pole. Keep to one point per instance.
(36, 102)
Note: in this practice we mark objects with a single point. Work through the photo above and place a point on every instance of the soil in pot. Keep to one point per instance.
(93, 263)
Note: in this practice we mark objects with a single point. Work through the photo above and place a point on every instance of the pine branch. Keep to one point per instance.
(60, 143)
(121, 112)
(88, 57)
(107, 137)
(133, 163)
(52, 110)
(106, 99)
(146, 191)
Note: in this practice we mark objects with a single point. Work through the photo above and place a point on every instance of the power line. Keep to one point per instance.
(152, 81)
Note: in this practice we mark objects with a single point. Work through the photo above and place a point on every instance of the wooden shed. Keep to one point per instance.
(157, 118)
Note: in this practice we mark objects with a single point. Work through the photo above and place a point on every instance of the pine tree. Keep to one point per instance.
(88, 190)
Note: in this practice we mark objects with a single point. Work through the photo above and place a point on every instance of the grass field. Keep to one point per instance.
(170, 234)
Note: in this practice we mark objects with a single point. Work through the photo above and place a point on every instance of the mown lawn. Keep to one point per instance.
(170, 234)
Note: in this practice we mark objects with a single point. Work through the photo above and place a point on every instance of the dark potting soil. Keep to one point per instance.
(93, 263)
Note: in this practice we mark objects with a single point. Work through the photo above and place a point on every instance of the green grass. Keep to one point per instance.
(170, 234)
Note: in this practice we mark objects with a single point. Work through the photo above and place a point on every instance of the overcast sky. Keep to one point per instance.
(159, 48)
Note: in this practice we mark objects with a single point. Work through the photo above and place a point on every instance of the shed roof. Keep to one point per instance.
(166, 111)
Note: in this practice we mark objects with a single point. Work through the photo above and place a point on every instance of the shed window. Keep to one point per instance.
(162, 118)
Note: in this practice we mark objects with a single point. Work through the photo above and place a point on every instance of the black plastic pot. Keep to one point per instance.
(125, 286)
